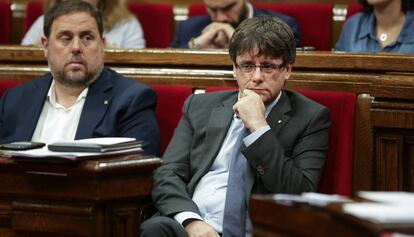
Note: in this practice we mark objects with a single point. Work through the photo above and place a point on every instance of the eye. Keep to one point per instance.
(248, 67)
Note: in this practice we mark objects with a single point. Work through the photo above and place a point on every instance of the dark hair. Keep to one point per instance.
(405, 5)
(272, 36)
(72, 6)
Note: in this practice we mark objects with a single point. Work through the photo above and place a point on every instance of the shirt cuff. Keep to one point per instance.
(255, 135)
(182, 216)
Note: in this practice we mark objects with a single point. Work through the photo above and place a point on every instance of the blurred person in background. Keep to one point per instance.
(213, 31)
(383, 26)
(122, 29)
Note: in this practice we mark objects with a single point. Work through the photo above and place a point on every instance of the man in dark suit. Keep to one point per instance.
(213, 31)
(283, 137)
(80, 98)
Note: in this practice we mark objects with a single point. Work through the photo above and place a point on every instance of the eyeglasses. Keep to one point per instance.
(265, 68)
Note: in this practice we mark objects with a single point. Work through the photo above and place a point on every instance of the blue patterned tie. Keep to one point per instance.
(234, 217)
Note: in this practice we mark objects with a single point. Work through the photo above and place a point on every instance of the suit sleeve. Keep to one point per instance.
(139, 121)
(293, 169)
(170, 192)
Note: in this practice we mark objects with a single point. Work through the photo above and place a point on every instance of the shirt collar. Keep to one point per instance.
(407, 32)
(406, 35)
(51, 95)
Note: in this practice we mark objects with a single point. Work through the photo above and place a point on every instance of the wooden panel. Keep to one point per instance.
(388, 162)
(408, 165)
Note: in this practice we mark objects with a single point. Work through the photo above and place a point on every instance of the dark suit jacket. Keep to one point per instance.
(129, 111)
(286, 159)
(193, 26)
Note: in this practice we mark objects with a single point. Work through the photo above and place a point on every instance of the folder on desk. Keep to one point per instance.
(78, 150)
(103, 144)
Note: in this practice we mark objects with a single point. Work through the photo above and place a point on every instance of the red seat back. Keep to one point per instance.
(157, 22)
(353, 9)
(170, 100)
(337, 174)
(7, 84)
(197, 9)
(34, 9)
(314, 20)
(5, 22)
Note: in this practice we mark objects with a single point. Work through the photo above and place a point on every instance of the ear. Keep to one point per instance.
(45, 44)
(288, 71)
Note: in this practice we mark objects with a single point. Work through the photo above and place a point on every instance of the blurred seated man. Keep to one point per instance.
(79, 98)
(259, 139)
(215, 30)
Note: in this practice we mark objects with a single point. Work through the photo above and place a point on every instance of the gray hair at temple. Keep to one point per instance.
(271, 35)
(68, 7)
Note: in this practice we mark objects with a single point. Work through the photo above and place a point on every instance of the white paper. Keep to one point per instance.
(102, 140)
(396, 198)
(381, 212)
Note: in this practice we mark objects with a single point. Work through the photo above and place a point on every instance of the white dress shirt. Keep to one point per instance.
(57, 123)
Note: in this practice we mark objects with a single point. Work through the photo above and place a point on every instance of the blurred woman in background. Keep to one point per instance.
(383, 26)
(122, 29)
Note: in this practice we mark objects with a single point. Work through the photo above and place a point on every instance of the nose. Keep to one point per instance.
(257, 75)
(76, 45)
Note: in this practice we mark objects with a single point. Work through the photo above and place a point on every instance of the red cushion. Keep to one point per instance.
(5, 21)
(196, 9)
(314, 20)
(34, 9)
(170, 100)
(353, 9)
(7, 84)
(157, 22)
(337, 174)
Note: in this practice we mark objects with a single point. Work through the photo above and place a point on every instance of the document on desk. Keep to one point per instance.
(77, 150)
(387, 208)
(102, 144)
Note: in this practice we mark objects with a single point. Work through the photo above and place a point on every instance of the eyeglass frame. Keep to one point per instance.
(271, 66)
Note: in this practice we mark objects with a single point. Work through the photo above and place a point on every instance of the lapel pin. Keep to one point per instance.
(279, 121)
(105, 102)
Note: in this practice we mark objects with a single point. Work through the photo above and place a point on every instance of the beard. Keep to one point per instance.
(76, 78)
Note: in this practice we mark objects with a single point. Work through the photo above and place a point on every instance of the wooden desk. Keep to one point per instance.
(101, 197)
(272, 219)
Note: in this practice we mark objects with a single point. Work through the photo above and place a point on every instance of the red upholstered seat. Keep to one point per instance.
(5, 22)
(314, 20)
(337, 174)
(34, 9)
(196, 9)
(352, 9)
(157, 22)
(170, 100)
(7, 84)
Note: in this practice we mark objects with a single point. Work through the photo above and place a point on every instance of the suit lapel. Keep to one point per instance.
(276, 119)
(279, 115)
(31, 106)
(217, 128)
(97, 101)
